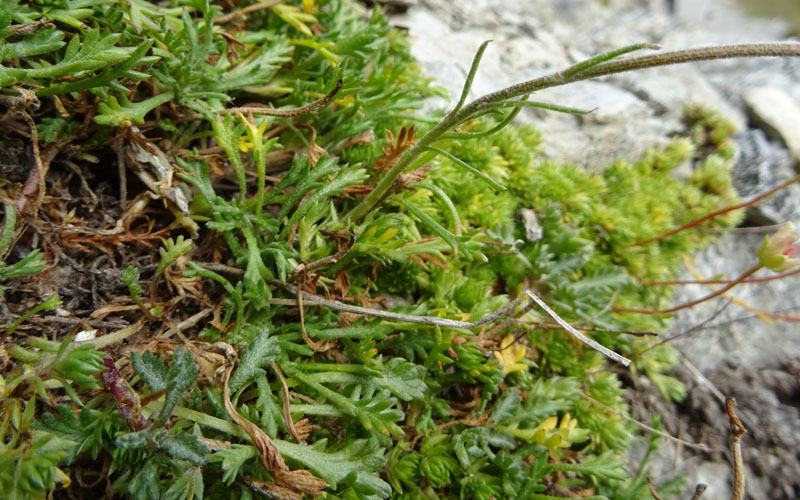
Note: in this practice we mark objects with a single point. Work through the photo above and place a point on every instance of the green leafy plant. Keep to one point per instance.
(327, 195)
(30, 264)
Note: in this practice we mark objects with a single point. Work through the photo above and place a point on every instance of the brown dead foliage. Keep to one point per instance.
(291, 484)
(391, 153)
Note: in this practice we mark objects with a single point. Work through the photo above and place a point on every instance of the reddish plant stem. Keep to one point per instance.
(714, 282)
(719, 292)
(715, 214)
(782, 317)
(126, 398)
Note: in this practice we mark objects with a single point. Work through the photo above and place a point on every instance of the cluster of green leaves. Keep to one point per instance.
(404, 411)
(583, 254)
(29, 456)
(30, 264)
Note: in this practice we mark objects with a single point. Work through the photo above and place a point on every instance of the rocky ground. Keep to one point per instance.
(734, 353)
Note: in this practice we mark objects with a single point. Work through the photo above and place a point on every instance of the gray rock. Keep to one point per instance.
(669, 89)
(454, 50)
(777, 113)
(759, 166)
(734, 334)
(620, 127)
(521, 54)
(716, 476)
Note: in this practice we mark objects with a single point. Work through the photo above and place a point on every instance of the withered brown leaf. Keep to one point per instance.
(289, 481)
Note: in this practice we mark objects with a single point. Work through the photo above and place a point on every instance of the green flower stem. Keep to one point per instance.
(469, 167)
(47, 305)
(154, 408)
(319, 410)
(8, 229)
(581, 71)
(691, 55)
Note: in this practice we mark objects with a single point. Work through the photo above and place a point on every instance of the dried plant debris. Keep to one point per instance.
(237, 261)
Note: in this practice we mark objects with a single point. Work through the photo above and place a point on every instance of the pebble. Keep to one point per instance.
(777, 114)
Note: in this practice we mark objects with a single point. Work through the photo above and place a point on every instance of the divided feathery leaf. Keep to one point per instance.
(173, 249)
(233, 459)
(184, 447)
(152, 370)
(375, 409)
(402, 378)
(110, 76)
(33, 45)
(81, 57)
(606, 466)
(180, 377)
(91, 430)
(261, 352)
(113, 112)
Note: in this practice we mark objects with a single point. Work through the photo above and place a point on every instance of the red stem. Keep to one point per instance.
(714, 214)
(719, 292)
(715, 282)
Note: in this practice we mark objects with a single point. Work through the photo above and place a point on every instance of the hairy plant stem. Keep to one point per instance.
(592, 68)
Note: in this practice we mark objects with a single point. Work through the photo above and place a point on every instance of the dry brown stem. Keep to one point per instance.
(652, 489)
(247, 10)
(292, 483)
(735, 444)
(287, 412)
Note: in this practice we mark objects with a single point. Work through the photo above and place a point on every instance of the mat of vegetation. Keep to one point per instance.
(201, 300)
